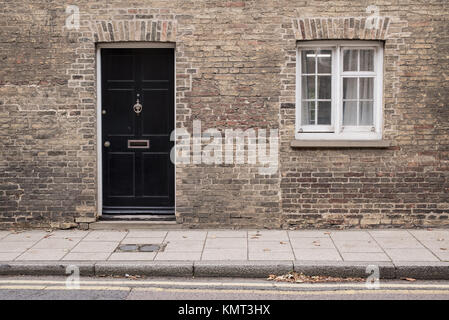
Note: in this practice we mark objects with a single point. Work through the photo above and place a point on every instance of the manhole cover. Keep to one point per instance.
(141, 247)
(128, 247)
(149, 248)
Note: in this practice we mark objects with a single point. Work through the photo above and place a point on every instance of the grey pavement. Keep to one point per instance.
(229, 245)
(423, 254)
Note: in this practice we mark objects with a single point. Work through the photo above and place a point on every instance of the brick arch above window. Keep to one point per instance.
(135, 30)
(361, 28)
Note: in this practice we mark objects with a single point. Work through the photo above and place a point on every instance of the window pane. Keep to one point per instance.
(350, 60)
(350, 113)
(308, 113)
(366, 113)
(324, 112)
(366, 88)
(324, 87)
(308, 87)
(308, 61)
(349, 88)
(367, 60)
(324, 61)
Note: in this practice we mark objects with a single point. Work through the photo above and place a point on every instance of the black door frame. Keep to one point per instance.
(130, 45)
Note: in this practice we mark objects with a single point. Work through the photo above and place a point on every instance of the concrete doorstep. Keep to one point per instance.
(238, 269)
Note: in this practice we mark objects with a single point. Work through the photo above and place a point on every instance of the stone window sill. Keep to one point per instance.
(340, 144)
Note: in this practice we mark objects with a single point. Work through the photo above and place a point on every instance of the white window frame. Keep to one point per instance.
(336, 131)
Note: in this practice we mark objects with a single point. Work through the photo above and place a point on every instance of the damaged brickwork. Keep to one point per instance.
(235, 68)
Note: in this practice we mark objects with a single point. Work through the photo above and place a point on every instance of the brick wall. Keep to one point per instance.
(235, 68)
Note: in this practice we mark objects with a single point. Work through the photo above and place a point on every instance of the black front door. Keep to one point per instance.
(137, 119)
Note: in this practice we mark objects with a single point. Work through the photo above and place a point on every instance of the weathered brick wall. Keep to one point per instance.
(235, 65)
(405, 185)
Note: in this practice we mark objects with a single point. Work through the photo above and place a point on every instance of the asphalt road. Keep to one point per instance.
(55, 288)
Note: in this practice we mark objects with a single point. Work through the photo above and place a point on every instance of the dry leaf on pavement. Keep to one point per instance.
(408, 279)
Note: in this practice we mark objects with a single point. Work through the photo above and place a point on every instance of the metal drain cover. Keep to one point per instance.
(140, 247)
(128, 247)
(149, 248)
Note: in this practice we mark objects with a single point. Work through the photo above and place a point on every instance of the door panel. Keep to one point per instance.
(155, 175)
(122, 121)
(121, 172)
(155, 101)
(137, 175)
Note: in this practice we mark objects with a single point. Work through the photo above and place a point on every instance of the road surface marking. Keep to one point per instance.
(230, 284)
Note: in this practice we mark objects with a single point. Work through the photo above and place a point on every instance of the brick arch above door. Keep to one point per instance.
(134, 30)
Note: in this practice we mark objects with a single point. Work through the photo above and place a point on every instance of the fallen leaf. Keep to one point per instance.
(408, 279)
(266, 249)
(443, 248)
(282, 242)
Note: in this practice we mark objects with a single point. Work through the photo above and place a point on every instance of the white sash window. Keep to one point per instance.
(339, 90)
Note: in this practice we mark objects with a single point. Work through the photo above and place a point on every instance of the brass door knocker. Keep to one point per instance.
(138, 107)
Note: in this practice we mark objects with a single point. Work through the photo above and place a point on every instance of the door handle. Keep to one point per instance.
(107, 144)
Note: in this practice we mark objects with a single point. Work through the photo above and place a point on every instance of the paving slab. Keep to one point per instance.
(4, 234)
(187, 256)
(105, 236)
(42, 255)
(399, 243)
(227, 234)
(184, 246)
(317, 254)
(430, 234)
(225, 254)
(130, 240)
(146, 234)
(269, 246)
(56, 243)
(133, 256)
(86, 256)
(436, 244)
(350, 235)
(443, 255)
(68, 234)
(225, 243)
(269, 256)
(16, 246)
(311, 243)
(410, 255)
(185, 235)
(390, 234)
(25, 236)
(308, 234)
(95, 246)
(268, 235)
(362, 246)
(9, 256)
(364, 256)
